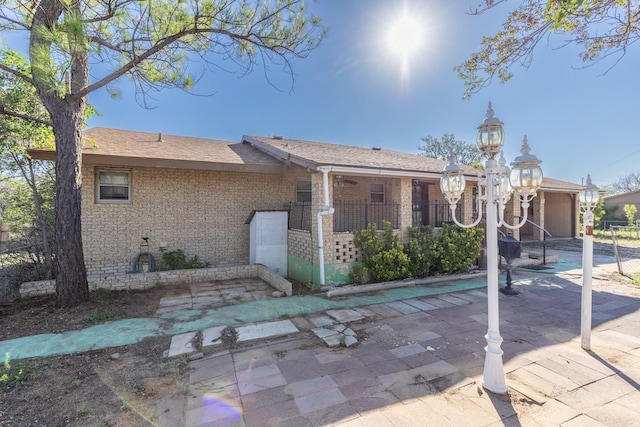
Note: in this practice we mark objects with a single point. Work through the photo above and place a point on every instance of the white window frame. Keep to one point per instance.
(99, 185)
(299, 191)
(376, 193)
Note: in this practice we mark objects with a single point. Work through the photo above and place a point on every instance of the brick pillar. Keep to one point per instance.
(402, 193)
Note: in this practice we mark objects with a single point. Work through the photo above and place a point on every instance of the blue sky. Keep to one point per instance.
(354, 90)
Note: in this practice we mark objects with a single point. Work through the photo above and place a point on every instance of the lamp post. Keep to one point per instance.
(589, 195)
(495, 190)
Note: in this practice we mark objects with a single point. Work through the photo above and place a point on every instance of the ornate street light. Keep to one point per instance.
(589, 195)
(495, 190)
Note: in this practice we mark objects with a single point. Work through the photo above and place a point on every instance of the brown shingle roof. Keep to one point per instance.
(549, 184)
(324, 154)
(256, 154)
(131, 148)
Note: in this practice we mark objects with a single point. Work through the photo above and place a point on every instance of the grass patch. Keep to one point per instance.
(14, 376)
(99, 316)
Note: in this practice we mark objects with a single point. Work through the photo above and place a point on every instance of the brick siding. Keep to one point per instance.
(201, 212)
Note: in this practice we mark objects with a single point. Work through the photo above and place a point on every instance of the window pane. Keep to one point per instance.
(377, 198)
(114, 193)
(303, 185)
(377, 193)
(115, 178)
(377, 188)
(303, 191)
(303, 197)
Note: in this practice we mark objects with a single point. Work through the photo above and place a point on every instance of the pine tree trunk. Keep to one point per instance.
(71, 276)
(66, 110)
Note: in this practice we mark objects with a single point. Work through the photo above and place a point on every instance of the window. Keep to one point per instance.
(377, 193)
(303, 191)
(113, 186)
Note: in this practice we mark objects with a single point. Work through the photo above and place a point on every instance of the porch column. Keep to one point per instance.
(467, 203)
(317, 199)
(512, 218)
(539, 207)
(402, 191)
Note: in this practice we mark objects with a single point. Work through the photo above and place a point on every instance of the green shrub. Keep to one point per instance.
(359, 274)
(630, 212)
(456, 248)
(420, 250)
(392, 264)
(380, 253)
(177, 260)
(382, 258)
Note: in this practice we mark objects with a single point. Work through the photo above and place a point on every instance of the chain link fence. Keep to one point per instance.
(626, 248)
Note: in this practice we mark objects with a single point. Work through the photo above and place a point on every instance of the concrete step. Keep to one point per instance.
(192, 344)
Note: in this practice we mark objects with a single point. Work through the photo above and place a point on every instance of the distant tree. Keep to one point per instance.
(630, 212)
(627, 183)
(599, 214)
(602, 28)
(27, 199)
(153, 43)
(443, 148)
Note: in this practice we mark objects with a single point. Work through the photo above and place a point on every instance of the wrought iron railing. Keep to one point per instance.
(299, 215)
(434, 214)
(351, 215)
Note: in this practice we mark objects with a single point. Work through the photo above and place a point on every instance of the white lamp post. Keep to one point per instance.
(495, 190)
(589, 195)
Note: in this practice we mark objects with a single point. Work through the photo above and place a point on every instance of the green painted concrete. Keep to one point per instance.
(130, 331)
(304, 271)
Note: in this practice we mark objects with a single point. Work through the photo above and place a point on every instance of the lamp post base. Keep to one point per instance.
(508, 290)
(493, 378)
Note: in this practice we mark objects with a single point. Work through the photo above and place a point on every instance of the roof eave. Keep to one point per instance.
(281, 155)
(128, 161)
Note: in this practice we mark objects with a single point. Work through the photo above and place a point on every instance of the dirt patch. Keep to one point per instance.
(119, 386)
(113, 387)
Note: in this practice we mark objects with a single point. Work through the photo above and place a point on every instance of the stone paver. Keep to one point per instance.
(421, 359)
(182, 344)
(418, 361)
(266, 330)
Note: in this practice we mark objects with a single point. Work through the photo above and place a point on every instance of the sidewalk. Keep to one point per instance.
(420, 361)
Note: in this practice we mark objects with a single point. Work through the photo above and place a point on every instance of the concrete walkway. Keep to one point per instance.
(420, 363)
(419, 359)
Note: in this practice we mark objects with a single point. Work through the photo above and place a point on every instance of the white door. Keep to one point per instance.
(268, 240)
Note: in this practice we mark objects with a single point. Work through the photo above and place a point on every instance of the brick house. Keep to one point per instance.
(198, 194)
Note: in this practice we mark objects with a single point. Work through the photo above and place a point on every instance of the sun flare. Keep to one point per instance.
(405, 35)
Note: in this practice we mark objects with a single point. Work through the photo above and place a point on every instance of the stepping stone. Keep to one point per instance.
(334, 340)
(211, 337)
(182, 344)
(173, 301)
(336, 335)
(346, 315)
(320, 321)
(266, 330)
(350, 341)
(323, 333)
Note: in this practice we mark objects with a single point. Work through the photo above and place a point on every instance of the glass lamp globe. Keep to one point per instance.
(490, 137)
(526, 174)
(452, 181)
(589, 194)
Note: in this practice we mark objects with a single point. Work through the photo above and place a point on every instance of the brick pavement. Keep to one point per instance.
(420, 361)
